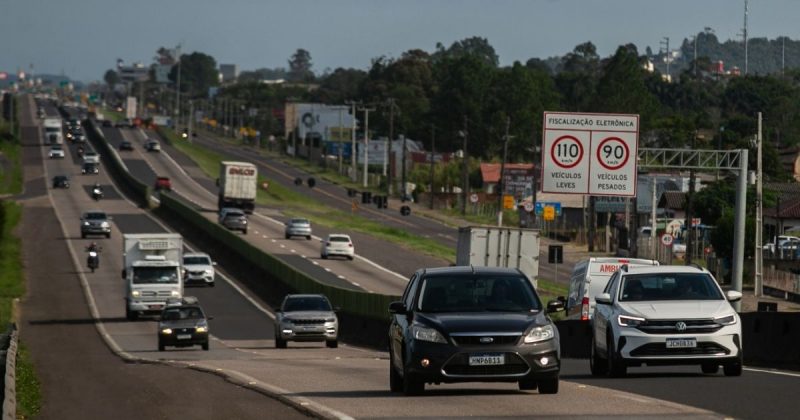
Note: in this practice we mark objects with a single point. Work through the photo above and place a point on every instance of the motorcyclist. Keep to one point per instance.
(93, 260)
(97, 191)
(93, 247)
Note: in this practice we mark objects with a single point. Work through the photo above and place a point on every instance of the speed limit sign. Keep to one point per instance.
(666, 239)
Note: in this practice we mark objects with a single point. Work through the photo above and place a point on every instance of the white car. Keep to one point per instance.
(198, 268)
(337, 244)
(152, 146)
(665, 315)
(91, 157)
(56, 152)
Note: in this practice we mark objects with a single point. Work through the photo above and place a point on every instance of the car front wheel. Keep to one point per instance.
(549, 385)
(411, 385)
(597, 364)
(733, 368)
(395, 381)
(279, 343)
(616, 366)
(332, 344)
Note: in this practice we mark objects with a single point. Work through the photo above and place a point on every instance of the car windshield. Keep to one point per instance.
(312, 303)
(339, 239)
(176, 314)
(159, 275)
(196, 261)
(299, 222)
(477, 293)
(669, 286)
(55, 147)
(95, 216)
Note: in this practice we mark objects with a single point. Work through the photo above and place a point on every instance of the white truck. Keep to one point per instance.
(237, 185)
(486, 246)
(53, 133)
(152, 271)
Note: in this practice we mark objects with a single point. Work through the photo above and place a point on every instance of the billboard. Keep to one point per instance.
(130, 107)
(305, 118)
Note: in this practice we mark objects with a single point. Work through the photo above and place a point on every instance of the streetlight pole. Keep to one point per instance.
(500, 182)
(178, 90)
(366, 110)
(465, 169)
(433, 154)
(389, 148)
(759, 251)
(353, 154)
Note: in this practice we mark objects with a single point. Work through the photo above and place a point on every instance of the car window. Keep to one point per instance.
(182, 313)
(669, 286)
(312, 303)
(197, 260)
(410, 292)
(162, 275)
(338, 239)
(477, 294)
(95, 216)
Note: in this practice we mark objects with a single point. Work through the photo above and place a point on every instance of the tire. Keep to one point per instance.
(161, 346)
(83, 235)
(597, 364)
(548, 385)
(244, 231)
(709, 368)
(108, 235)
(211, 284)
(332, 344)
(412, 386)
(130, 315)
(323, 256)
(350, 258)
(395, 381)
(308, 238)
(205, 346)
(616, 367)
(733, 368)
(279, 343)
(528, 384)
(287, 236)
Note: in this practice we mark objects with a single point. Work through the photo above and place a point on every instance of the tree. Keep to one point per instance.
(475, 46)
(339, 86)
(577, 79)
(300, 67)
(622, 89)
(111, 78)
(198, 73)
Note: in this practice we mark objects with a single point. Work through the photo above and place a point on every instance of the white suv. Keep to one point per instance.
(665, 315)
(198, 267)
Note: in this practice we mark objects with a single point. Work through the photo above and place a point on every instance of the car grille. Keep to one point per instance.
(458, 365)
(197, 273)
(475, 340)
(660, 349)
(308, 321)
(150, 293)
(693, 326)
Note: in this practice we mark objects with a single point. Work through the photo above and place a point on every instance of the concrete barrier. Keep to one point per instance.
(10, 376)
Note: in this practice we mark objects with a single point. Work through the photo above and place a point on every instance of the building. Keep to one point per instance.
(229, 72)
(135, 72)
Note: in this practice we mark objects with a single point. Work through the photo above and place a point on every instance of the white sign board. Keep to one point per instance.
(591, 154)
(130, 107)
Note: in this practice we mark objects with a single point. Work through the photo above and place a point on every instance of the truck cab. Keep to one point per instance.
(153, 272)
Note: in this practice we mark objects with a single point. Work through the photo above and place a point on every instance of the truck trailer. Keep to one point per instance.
(152, 271)
(488, 246)
(237, 184)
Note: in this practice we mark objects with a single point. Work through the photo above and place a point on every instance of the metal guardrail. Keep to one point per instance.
(9, 354)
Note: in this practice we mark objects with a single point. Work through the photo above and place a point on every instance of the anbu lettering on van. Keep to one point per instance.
(608, 268)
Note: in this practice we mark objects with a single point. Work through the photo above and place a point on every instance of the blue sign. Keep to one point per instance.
(332, 149)
(539, 207)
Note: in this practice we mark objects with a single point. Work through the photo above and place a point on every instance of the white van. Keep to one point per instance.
(589, 278)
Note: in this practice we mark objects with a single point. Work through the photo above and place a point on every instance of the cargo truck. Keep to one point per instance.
(152, 271)
(486, 246)
(53, 133)
(237, 186)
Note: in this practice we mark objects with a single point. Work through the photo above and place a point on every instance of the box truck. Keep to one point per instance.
(53, 133)
(487, 246)
(152, 271)
(237, 186)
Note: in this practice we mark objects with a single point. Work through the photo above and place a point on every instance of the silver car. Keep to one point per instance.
(306, 318)
(298, 227)
(233, 219)
(95, 222)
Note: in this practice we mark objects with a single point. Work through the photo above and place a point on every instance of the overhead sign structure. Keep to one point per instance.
(591, 154)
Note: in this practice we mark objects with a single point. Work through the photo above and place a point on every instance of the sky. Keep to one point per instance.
(83, 38)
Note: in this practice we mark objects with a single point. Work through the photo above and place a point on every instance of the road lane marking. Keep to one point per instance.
(774, 372)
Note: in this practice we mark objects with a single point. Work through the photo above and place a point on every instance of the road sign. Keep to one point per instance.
(473, 198)
(549, 214)
(508, 202)
(540, 205)
(590, 153)
(528, 206)
(666, 239)
(555, 254)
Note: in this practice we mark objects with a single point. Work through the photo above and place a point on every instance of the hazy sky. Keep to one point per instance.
(83, 38)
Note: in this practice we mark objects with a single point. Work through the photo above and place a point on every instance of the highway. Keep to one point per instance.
(352, 382)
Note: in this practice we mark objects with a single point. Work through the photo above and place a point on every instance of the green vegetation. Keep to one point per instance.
(11, 279)
(10, 170)
(29, 395)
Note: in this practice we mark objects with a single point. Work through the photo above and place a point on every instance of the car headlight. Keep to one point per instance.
(629, 321)
(86, 223)
(166, 331)
(104, 224)
(201, 329)
(538, 334)
(427, 334)
(136, 293)
(330, 319)
(726, 320)
(209, 272)
(174, 293)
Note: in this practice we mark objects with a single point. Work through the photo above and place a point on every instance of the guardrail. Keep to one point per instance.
(8, 354)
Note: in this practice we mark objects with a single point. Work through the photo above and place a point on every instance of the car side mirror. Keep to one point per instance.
(124, 273)
(733, 296)
(213, 263)
(555, 306)
(398, 308)
(561, 299)
(603, 299)
(209, 318)
(337, 309)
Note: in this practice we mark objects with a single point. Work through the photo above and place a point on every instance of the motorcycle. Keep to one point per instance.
(97, 193)
(93, 260)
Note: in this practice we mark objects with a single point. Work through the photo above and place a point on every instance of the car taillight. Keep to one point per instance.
(585, 309)
(350, 245)
(327, 244)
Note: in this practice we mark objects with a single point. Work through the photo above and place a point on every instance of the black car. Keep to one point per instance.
(125, 145)
(90, 168)
(472, 324)
(183, 324)
(108, 123)
(60, 181)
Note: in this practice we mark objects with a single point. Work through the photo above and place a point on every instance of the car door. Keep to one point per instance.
(401, 324)
(603, 313)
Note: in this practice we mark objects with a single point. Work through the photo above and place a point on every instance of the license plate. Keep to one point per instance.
(487, 359)
(681, 343)
(184, 336)
(155, 306)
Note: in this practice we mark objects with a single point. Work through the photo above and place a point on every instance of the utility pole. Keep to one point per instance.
(353, 154)
(389, 149)
(690, 232)
(500, 183)
(433, 154)
(339, 142)
(695, 56)
(465, 191)
(366, 110)
(744, 33)
(653, 225)
(178, 90)
(668, 57)
(190, 122)
(759, 251)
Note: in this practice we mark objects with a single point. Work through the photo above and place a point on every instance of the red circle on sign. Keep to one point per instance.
(578, 158)
(624, 161)
(666, 239)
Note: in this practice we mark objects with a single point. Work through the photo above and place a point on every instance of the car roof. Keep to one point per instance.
(195, 254)
(468, 270)
(305, 295)
(663, 269)
(339, 235)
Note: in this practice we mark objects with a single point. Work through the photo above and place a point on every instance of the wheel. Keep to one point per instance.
(280, 343)
(244, 231)
(130, 315)
(528, 384)
(83, 235)
(332, 344)
(350, 258)
(733, 368)
(412, 386)
(395, 381)
(161, 346)
(323, 256)
(308, 238)
(108, 235)
(548, 385)
(616, 367)
(211, 284)
(709, 368)
(597, 364)
(287, 236)
(92, 267)
(205, 346)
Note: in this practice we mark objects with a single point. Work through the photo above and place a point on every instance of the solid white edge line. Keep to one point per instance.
(774, 372)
